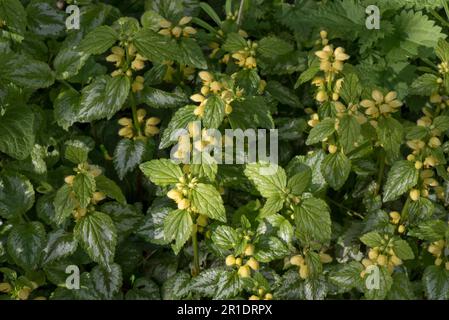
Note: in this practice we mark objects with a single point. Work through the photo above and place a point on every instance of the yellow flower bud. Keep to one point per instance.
(323, 34)
(137, 64)
(438, 262)
(373, 254)
(401, 228)
(249, 250)
(332, 149)
(151, 131)
(244, 271)
(253, 264)
(303, 271)
(415, 194)
(126, 122)
(118, 51)
(5, 287)
(434, 142)
(325, 258)
(382, 260)
(230, 260)
(215, 86)
(126, 132)
(98, 197)
(184, 21)
(446, 265)
(253, 297)
(175, 195)
(395, 261)
(165, 23)
(418, 165)
(69, 179)
(24, 293)
(297, 260)
(238, 261)
(268, 296)
(176, 31)
(137, 86)
(183, 204)
(228, 109)
(188, 31)
(202, 220)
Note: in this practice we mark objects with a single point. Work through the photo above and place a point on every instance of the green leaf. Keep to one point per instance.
(17, 134)
(126, 217)
(321, 131)
(207, 200)
(45, 20)
(214, 112)
(372, 239)
(25, 244)
(97, 234)
(129, 154)
(156, 98)
(273, 205)
(347, 276)
(177, 287)
(151, 19)
(432, 230)
(226, 237)
(152, 226)
(351, 89)
(424, 85)
(16, 195)
(349, 132)
(441, 123)
(68, 63)
(110, 189)
(162, 172)
(403, 249)
(64, 203)
(273, 46)
(436, 283)
(98, 41)
(205, 284)
(442, 50)
(250, 113)
(234, 42)
(385, 283)
(180, 120)
(307, 75)
(269, 249)
(336, 169)
(144, 289)
(84, 188)
(25, 71)
(178, 226)
(76, 151)
(283, 94)
(192, 55)
(66, 108)
(60, 244)
(103, 98)
(13, 13)
(313, 220)
(391, 134)
(156, 47)
(229, 285)
(402, 288)
(402, 177)
(269, 180)
(300, 182)
(107, 282)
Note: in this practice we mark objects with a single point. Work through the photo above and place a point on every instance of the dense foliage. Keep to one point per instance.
(357, 207)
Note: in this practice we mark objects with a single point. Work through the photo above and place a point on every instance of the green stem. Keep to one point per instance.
(196, 257)
(381, 170)
(349, 211)
(240, 15)
(404, 212)
(132, 99)
(68, 85)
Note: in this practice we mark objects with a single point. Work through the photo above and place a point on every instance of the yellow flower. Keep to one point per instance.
(380, 104)
(184, 21)
(332, 60)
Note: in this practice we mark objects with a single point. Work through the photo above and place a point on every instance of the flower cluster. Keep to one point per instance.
(211, 86)
(304, 270)
(177, 30)
(244, 264)
(438, 250)
(149, 125)
(97, 196)
(381, 105)
(246, 58)
(382, 256)
(126, 60)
